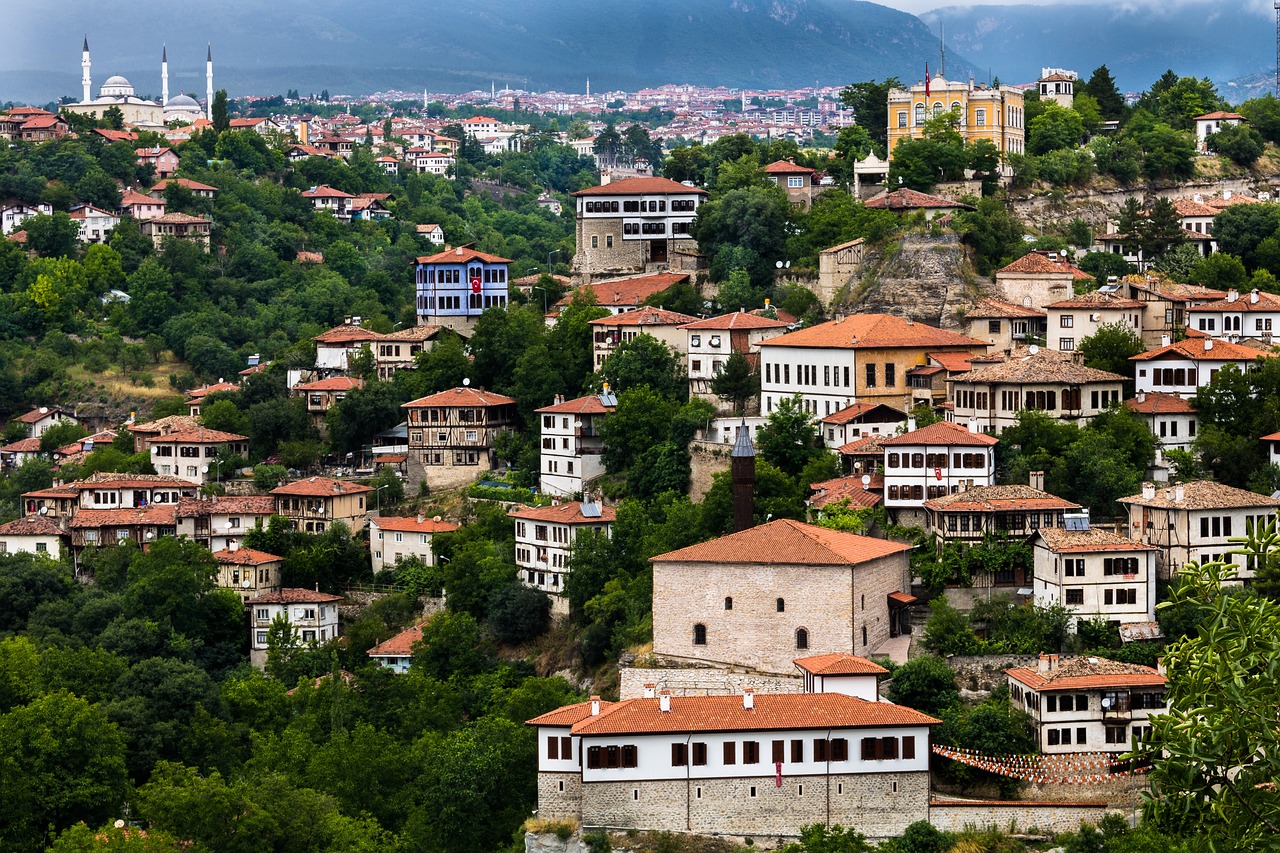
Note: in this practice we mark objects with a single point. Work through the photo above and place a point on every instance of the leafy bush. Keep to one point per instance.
(518, 613)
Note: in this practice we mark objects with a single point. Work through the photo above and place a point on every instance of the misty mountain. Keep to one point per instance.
(536, 44)
(1137, 41)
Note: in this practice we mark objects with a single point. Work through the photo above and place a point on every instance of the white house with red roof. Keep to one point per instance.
(572, 447)
(749, 764)
(609, 333)
(1253, 315)
(544, 542)
(849, 675)
(1015, 509)
(1004, 325)
(1170, 417)
(456, 286)
(1072, 320)
(249, 572)
(196, 396)
(32, 535)
(1087, 705)
(15, 454)
(142, 207)
(325, 197)
(38, 421)
(1166, 304)
(14, 213)
(451, 434)
(633, 225)
(189, 454)
(393, 539)
(759, 597)
(933, 462)
(912, 201)
(618, 295)
(138, 525)
(198, 189)
(95, 223)
(335, 347)
(396, 654)
(312, 615)
(1184, 367)
(853, 422)
(1210, 123)
(710, 342)
(221, 522)
(315, 504)
(1094, 574)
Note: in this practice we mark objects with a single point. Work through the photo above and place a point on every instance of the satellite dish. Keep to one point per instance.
(44, 510)
(245, 583)
(1033, 349)
(204, 470)
(151, 534)
(577, 424)
(44, 410)
(466, 383)
(866, 480)
(436, 519)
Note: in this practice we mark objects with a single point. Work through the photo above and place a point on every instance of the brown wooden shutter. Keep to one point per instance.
(909, 747)
(553, 748)
(730, 752)
(566, 748)
(778, 748)
(869, 748)
(797, 751)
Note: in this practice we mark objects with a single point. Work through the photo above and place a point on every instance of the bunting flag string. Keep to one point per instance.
(1082, 768)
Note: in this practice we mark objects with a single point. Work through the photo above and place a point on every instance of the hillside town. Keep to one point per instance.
(816, 470)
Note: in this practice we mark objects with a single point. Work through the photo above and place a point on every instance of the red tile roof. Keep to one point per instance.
(1201, 349)
(37, 415)
(771, 712)
(736, 320)
(565, 513)
(34, 525)
(325, 191)
(912, 200)
(1088, 674)
(1190, 207)
(333, 383)
(954, 362)
(296, 596)
(183, 182)
(638, 186)
(25, 445)
(1010, 498)
(156, 515)
(1244, 302)
(414, 334)
(1035, 262)
(786, 167)
(198, 436)
(199, 393)
(646, 315)
(1275, 436)
(245, 557)
(401, 645)
(588, 405)
(462, 256)
(846, 488)
(1159, 403)
(456, 397)
(943, 433)
(226, 505)
(874, 331)
(627, 291)
(347, 333)
(320, 487)
(1201, 494)
(992, 308)
(412, 525)
(1219, 114)
(839, 664)
(787, 542)
(172, 422)
(1093, 540)
(179, 219)
(1096, 299)
(567, 715)
(867, 445)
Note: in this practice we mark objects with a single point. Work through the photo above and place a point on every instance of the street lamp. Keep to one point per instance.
(378, 494)
(544, 297)
(550, 271)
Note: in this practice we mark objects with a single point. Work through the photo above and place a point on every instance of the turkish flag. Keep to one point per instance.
(778, 770)
(475, 284)
(937, 473)
(926, 79)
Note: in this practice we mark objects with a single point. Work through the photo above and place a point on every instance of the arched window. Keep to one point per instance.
(699, 634)
(919, 114)
(937, 108)
(728, 602)
(802, 638)
(782, 606)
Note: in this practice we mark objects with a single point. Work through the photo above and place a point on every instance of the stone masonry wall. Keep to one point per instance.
(626, 256)
(703, 681)
(877, 805)
(706, 459)
(555, 804)
(1020, 815)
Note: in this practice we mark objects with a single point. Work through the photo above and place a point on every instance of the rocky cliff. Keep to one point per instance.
(922, 276)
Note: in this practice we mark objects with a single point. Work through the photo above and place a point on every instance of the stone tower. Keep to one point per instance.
(743, 473)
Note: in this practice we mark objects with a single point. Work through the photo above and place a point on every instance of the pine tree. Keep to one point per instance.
(221, 119)
(1102, 86)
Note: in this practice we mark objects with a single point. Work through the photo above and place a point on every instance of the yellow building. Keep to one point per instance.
(992, 114)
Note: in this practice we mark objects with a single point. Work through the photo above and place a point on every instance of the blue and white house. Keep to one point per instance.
(456, 286)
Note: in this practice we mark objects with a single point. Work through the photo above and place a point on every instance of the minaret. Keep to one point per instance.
(208, 79)
(85, 80)
(164, 75)
(588, 87)
(424, 99)
(743, 474)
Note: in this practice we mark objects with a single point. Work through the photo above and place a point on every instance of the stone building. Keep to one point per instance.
(837, 266)
(756, 598)
(1038, 278)
(633, 225)
(743, 764)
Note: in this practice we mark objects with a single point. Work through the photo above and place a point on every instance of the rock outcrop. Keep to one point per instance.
(924, 277)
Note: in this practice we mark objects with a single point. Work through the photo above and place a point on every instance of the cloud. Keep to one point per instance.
(1261, 8)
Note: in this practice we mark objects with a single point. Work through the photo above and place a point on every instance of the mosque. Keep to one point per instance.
(138, 112)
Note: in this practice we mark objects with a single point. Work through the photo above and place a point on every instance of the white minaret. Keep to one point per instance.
(208, 79)
(85, 80)
(424, 99)
(164, 75)
(588, 87)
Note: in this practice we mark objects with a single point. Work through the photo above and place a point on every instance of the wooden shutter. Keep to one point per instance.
(629, 756)
(566, 748)
(869, 745)
(797, 751)
(819, 749)
(778, 747)
(699, 754)
(679, 755)
(888, 748)
(730, 753)
(553, 748)
(594, 758)
(839, 749)
(909, 747)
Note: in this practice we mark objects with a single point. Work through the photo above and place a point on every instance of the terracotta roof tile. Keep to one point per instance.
(846, 488)
(874, 331)
(1062, 541)
(1202, 494)
(839, 664)
(1175, 291)
(857, 410)
(179, 219)
(638, 186)
(129, 198)
(347, 333)
(771, 712)
(456, 397)
(912, 200)
(1035, 262)
(226, 505)
(1010, 498)
(415, 334)
(184, 182)
(333, 383)
(567, 715)
(646, 315)
(296, 596)
(992, 308)
(1219, 114)
(37, 415)
(736, 320)
(942, 433)
(588, 405)
(1044, 367)
(462, 256)
(199, 435)
(199, 393)
(787, 542)
(156, 515)
(1096, 299)
(954, 362)
(172, 422)
(1159, 403)
(1088, 674)
(412, 525)
(786, 167)
(320, 487)
(34, 525)
(325, 191)
(24, 445)
(1244, 302)
(565, 513)
(1190, 207)
(401, 645)
(868, 445)
(245, 557)
(627, 291)
(1201, 349)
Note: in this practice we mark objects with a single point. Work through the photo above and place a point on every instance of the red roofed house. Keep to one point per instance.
(392, 539)
(315, 504)
(456, 286)
(1039, 278)
(189, 454)
(1087, 704)
(860, 358)
(14, 213)
(198, 189)
(399, 349)
(572, 449)
(633, 225)
(196, 396)
(178, 226)
(933, 462)
(141, 207)
(1170, 417)
(1079, 317)
(451, 434)
(853, 422)
(1210, 123)
(323, 394)
(710, 342)
(1273, 447)
(1005, 325)
(250, 573)
(1095, 574)
(544, 543)
(38, 421)
(859, 491)
(140, 525)
(795, 181)
(18, 453)
(312, 615)
(742, 764)
(325, 197)
(757, 598)
(40, 128)
(95, 223)
(1186, 366)
(335, 347)
(910, 201)
(222, 521)
(1240, 315)
(609, 333)
(32, 535)
(396, 654)
(164, 160)
(849, 675)
(618, 295)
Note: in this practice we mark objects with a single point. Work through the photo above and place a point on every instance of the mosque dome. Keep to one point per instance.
(182, 102)
(117, 86)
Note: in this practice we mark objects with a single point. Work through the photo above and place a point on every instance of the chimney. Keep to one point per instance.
(1208, 344)
(911, 423)
(1053, 662)
(1233, 295)
(1148, 491)
(1043, 668)
(743, 476)
(1142, 396)
(973, 425)
(1179, 493)
(664, 701)
(1160, 667)
(421, 518)
(595, 706)
(1199, 199)
(649, 690)
(1165, 340)
(748, 699)
(1226, 195)
(1253, 296)
(458, 251)
(1037, 480)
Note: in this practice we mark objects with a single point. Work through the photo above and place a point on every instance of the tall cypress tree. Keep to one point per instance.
(1102, 86)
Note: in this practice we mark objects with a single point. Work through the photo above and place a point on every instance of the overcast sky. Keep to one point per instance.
(915, 7)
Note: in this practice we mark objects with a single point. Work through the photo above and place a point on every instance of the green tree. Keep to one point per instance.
(993, 231)
(642, 420)
(737, 382)
(1219, 271)
(789, 438)
(1237, 142)
(1111, 347)
(1056, 127)
(869, 101)
(819, 838)
(646, 361)
(518, 613)
(220, 117)
(52, 235)
(926, 684)
(1102, 87)
(754, 221)
(451, 644)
